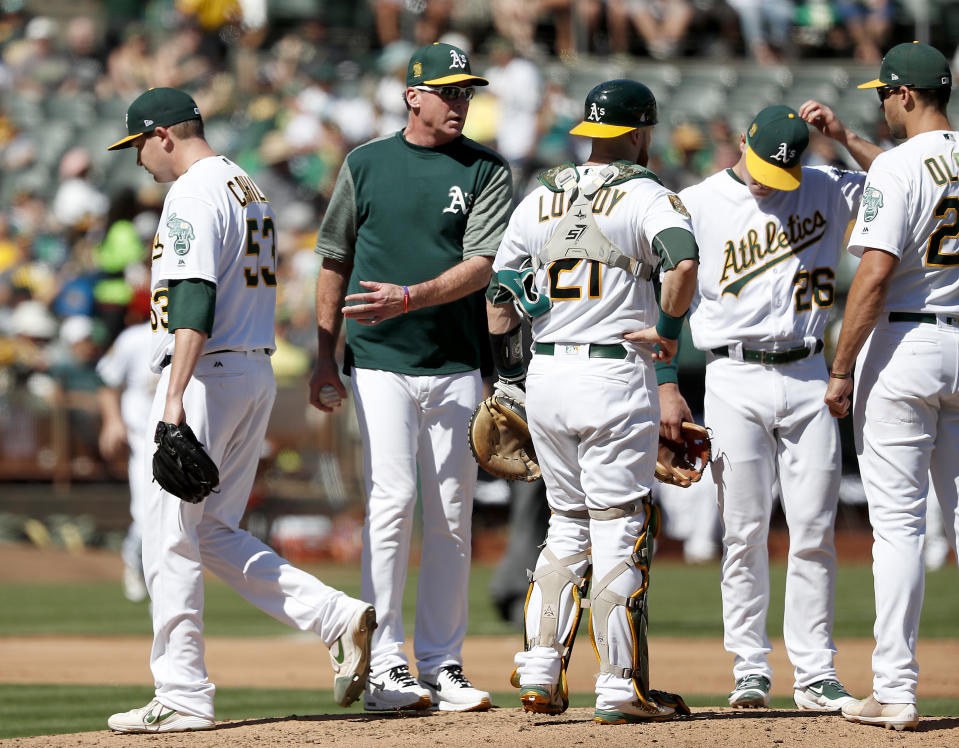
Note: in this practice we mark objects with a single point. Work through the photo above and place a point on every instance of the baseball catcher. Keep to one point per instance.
(682, 462)
(181, 465)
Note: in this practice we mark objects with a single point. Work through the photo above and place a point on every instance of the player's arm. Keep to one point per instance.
(867, 298)
(190, 317)
(330, 292)
(680, 260)
(825, 120)
(113, 432)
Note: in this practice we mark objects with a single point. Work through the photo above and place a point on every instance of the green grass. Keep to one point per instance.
(684, 601)
(29, 710)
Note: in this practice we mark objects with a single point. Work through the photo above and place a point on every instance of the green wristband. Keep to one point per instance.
(669, 327)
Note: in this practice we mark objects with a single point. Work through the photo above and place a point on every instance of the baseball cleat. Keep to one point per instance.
(395, 689)
(451, 691)
(351, 657)
(892, 716)
(750, 691)
(823, 696)
(543, 699)
(154, 717)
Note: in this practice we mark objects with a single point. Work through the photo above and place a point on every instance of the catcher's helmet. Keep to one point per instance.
(616, 107)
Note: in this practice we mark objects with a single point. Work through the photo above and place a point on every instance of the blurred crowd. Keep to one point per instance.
(287, 88)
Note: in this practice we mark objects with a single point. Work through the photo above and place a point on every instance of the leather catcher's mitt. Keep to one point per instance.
(500, 441)
(180, 464)
(682, 463)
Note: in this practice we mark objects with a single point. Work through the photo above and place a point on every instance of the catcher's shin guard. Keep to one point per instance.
(558, 621)
(603, 602)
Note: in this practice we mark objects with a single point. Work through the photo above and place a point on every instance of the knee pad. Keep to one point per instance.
(603, 601)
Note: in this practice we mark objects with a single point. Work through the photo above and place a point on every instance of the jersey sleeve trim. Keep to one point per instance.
(673, 245)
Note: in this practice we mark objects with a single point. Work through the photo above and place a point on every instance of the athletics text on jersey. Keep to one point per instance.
(767, 270)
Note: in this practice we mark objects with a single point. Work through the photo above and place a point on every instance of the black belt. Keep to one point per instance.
(165, 361)
(772, 357)
(596, 350)
(929, 319)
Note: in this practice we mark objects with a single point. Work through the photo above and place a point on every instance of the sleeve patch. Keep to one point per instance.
(872, 202)
(678, 205)
(182, 233)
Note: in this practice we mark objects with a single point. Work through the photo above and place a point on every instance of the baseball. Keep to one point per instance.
(329, 396)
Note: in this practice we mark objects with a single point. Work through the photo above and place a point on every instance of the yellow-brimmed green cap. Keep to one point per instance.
(441, 64)
(616, 107)
(915, 65)
(775, 142)
(156, 107)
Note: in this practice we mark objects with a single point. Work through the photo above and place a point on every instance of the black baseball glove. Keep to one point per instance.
(180, 464)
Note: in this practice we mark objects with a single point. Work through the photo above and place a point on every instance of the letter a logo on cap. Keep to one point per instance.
(459, 61)
(596, 112)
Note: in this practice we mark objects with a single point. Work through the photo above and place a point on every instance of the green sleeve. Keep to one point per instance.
(337, 236)
(489, 215)
(673, 245)
(192, 304)
(666, 373)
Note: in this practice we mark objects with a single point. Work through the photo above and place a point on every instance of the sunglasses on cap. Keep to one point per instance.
(449, 93)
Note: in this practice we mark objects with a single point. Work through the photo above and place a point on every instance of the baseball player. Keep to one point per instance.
(125, 398)
(902, 320)
(212, 305)
(770, 232)
(578, 256)
(407, 243)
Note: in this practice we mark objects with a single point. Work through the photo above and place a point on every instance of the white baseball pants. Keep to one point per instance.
(769, 423)
(595, 426)
(414, 436)
(906, 412)
(227, 404)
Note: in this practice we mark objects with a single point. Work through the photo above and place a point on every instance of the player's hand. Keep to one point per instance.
(324, 374)
(667, 347)
(384, 300)
(673, 410)
(112, 439)
(839, 396)
(823, 119)
(173, 411)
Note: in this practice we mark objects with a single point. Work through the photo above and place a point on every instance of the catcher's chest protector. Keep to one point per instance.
(577, 235)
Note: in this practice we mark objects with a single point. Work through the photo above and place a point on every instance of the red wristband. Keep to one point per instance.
(406, 299)
(836, 375)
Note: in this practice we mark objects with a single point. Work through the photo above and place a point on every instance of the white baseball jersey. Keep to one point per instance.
(921, 176)
(125, 367)
(767, 267)
(217, 226)
(592, 302)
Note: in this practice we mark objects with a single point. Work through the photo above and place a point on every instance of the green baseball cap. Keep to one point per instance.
(915, 65)
(616, 107)
(441, 64)
(775, 142)
(156, 107)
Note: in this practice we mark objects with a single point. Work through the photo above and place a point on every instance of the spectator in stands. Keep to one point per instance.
(78, 202)
(518, 88)
(432, 19)
(868, 22)
(765, 26)
(517, 21)
(661, 24)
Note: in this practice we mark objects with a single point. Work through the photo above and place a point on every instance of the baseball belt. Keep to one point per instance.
(772, 357)
(596, 350)
(165, 361)
(929, 319)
